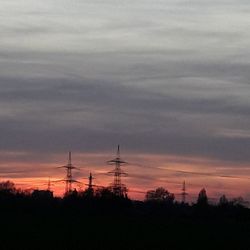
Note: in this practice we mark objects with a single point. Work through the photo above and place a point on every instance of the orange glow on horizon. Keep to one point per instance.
(151, 172)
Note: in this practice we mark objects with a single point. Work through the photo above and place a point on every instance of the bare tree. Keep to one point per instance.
(7, 186)
(223, 201)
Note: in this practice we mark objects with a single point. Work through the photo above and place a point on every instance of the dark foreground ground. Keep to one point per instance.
(110, 227)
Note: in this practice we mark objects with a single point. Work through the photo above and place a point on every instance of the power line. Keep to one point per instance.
(194, 172)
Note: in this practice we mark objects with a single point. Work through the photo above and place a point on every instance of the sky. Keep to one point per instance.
(167, 80)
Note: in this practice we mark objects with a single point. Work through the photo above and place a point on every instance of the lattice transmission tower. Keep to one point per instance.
(117, 187)
(49, 185)
(184, 193)
(69, 177)
(90, 184)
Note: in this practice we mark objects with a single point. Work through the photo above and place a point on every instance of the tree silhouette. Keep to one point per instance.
(239, 202)
(7, 190)
(42, 194)
(202, 198)
(223, 201)
(160, 195)
(104, 193)
(7, 187)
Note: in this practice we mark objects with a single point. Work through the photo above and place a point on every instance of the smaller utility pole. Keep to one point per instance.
(184, 193)
(49, 185)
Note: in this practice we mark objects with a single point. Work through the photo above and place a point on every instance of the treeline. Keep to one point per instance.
(97, 219)
(104, 200)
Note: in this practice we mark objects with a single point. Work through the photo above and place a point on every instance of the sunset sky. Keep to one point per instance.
(167, 80)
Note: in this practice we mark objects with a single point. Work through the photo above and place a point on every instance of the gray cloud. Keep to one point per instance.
(91, 115)
(162, 77)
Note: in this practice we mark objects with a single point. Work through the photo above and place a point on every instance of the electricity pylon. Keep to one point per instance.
(117, 187)
(69, 177)
(90, 184)
(184, 193)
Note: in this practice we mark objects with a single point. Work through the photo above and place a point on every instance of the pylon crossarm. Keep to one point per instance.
(74, 181)
(117, 173)
(70, 167)
(117, 160)
(58, 180)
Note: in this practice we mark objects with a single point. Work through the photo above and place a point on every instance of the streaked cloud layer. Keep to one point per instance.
(159, 77)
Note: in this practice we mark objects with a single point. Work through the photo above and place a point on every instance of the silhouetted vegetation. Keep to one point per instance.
(98, 219)
(202, 200)
(160, 195)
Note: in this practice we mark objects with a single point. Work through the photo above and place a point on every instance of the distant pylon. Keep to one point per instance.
(69, 178)
(49, 185)
(90, 189)
(184, 193)
(118, 188)
(90, 185)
